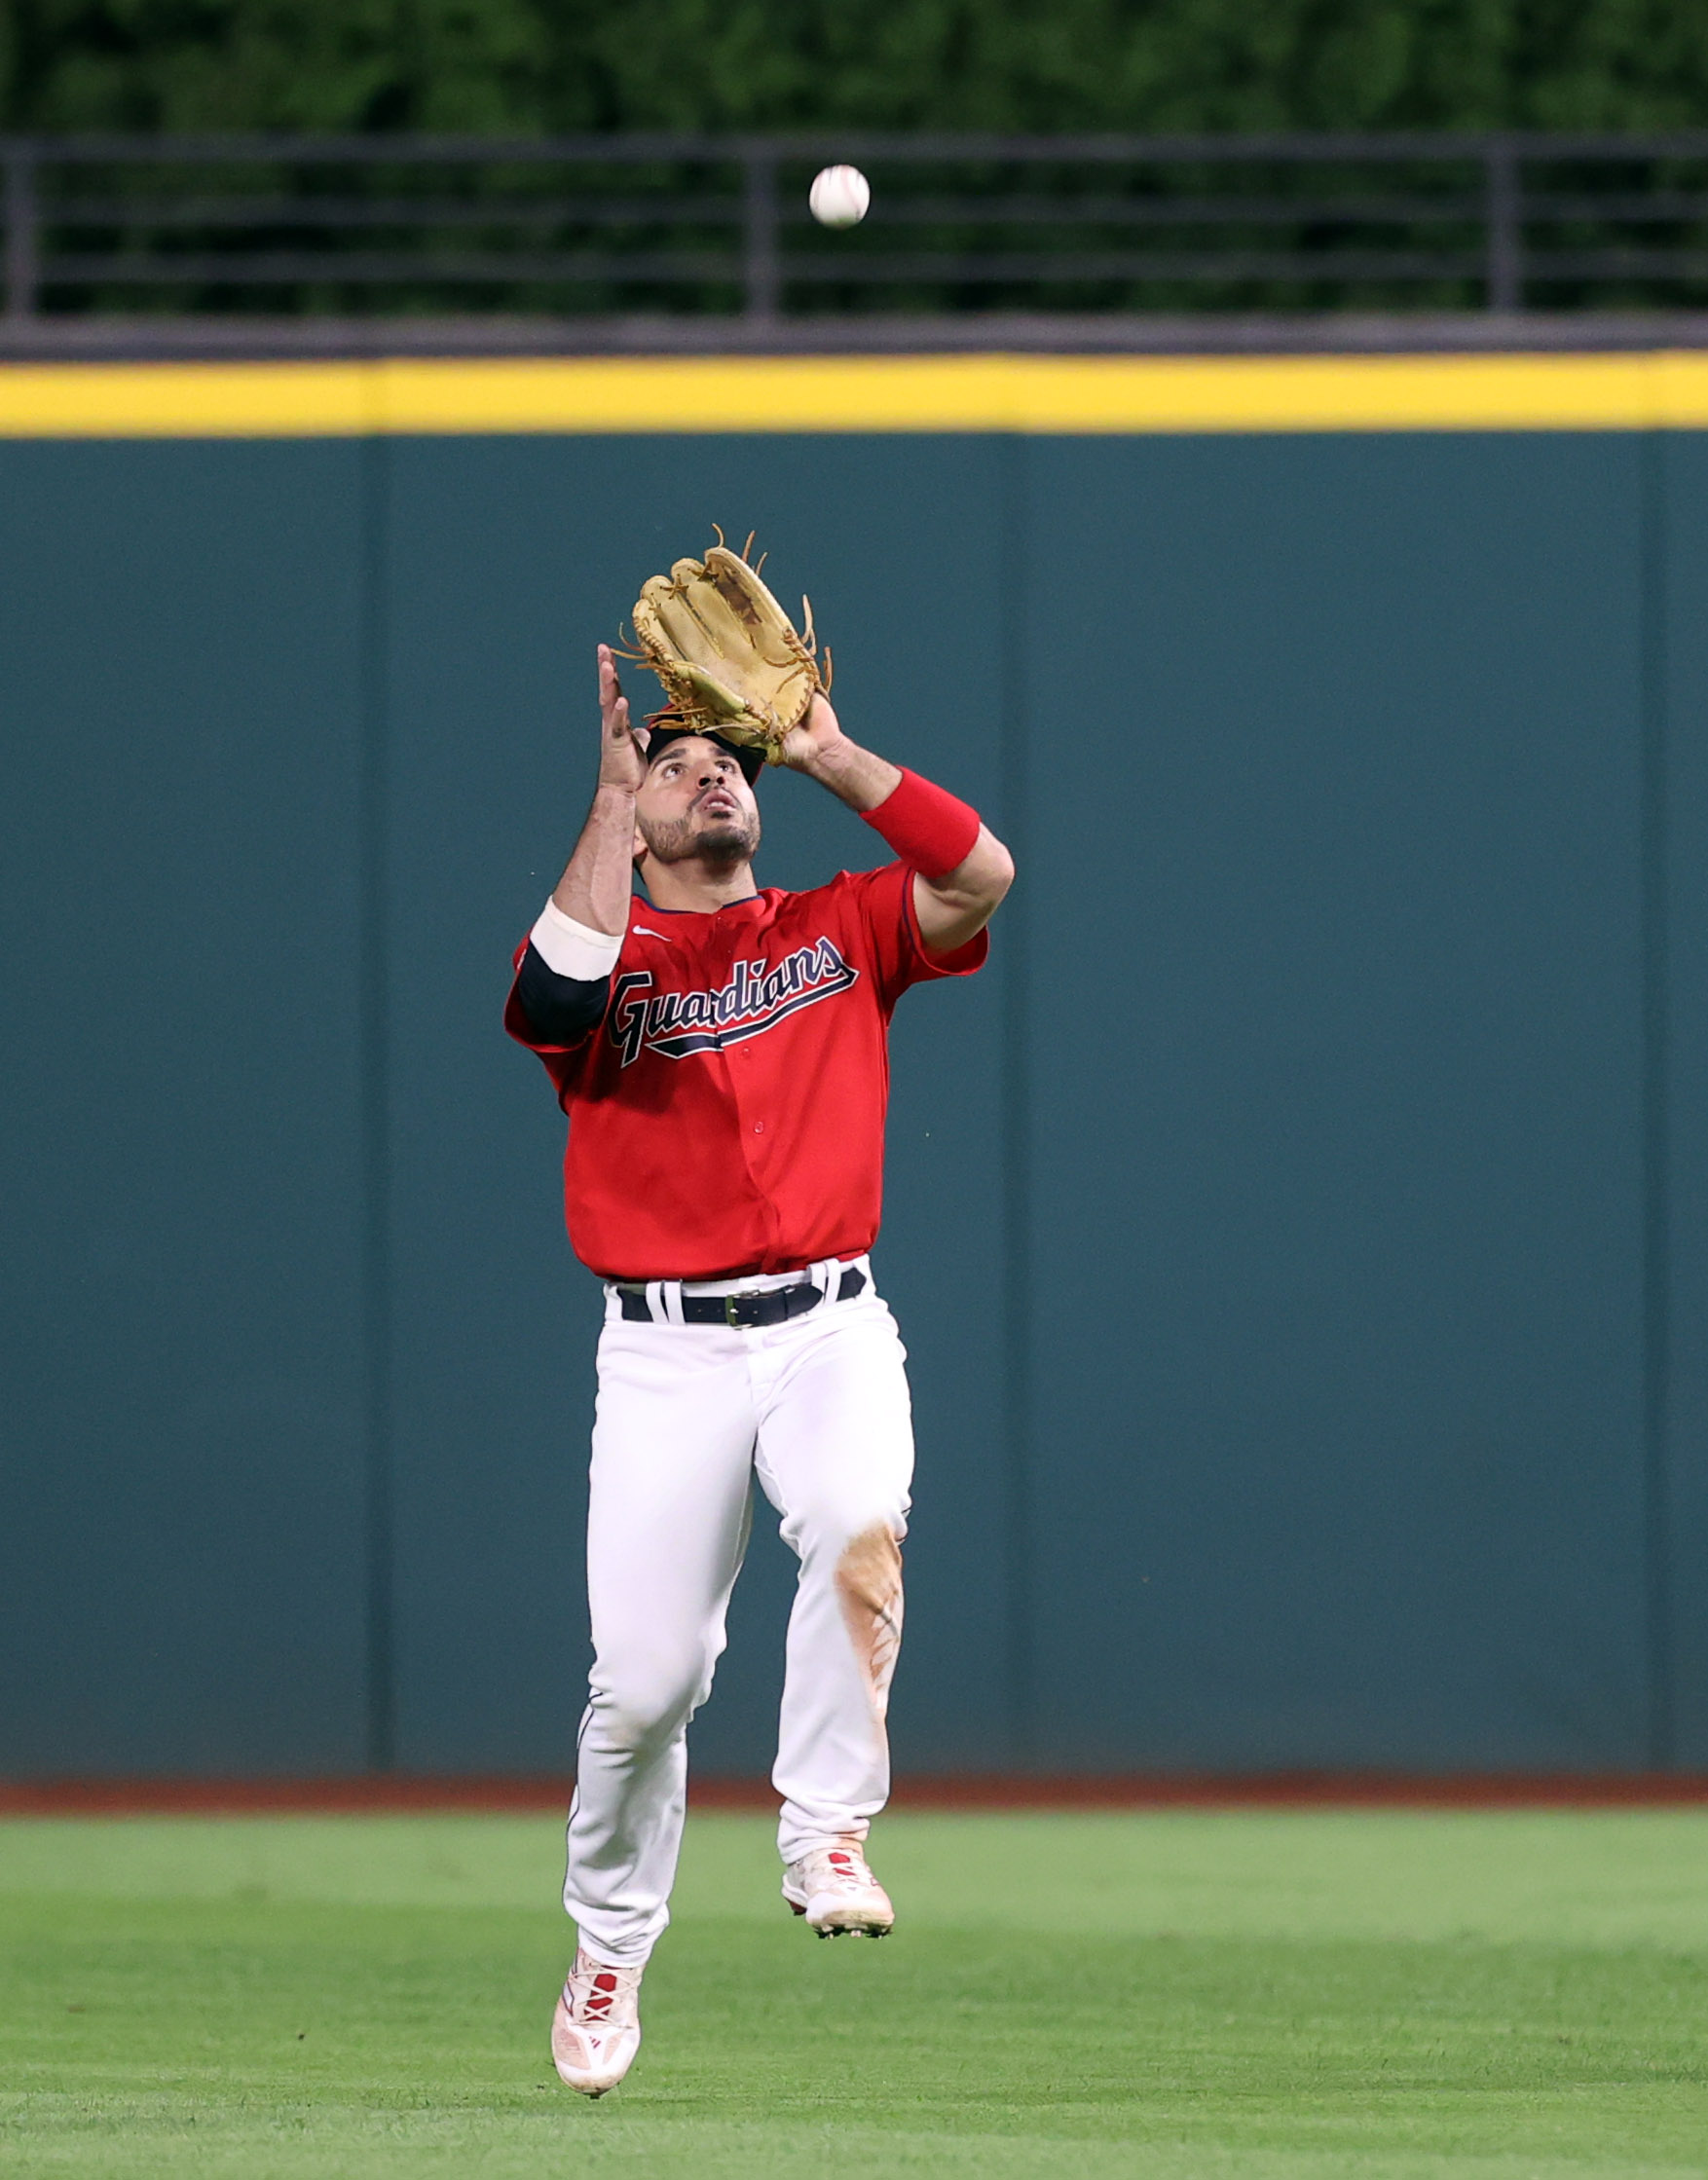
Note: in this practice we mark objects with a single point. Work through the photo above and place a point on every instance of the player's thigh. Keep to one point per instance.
(836, 1436)
(668, 1488)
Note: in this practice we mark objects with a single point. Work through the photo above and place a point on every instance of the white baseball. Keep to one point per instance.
(840, 197)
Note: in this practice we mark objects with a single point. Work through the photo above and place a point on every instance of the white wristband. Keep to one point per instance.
(574, 949)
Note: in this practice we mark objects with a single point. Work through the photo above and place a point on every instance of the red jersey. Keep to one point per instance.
(727, 1116)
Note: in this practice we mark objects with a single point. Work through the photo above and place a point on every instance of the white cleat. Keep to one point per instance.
(837, 1893)
(596, 2031)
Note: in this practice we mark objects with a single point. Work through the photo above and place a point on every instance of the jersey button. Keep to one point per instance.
(758, 1128)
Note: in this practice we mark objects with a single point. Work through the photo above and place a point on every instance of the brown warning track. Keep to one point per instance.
(377, 1793)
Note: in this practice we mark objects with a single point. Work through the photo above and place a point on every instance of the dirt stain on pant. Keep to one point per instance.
(868, 1584)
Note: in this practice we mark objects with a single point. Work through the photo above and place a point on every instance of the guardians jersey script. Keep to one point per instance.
(726, 1115)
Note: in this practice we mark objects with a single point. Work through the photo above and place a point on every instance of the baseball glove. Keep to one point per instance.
(728, 653)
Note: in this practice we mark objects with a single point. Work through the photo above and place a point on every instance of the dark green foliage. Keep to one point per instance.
(1053, 65)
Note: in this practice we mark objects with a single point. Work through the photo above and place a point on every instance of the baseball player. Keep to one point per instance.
(720, 1053)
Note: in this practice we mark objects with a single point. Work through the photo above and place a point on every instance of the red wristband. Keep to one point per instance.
(928, 828)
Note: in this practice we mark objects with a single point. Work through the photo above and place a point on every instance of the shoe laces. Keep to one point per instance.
(599, 1997)
(843, 1868)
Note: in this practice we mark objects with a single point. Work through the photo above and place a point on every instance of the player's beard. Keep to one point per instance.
(723, 842)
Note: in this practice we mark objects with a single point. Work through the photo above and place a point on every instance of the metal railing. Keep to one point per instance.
(684, 226)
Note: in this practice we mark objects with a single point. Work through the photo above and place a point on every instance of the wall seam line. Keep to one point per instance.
(378, 1481)
(1657, 1116)
(1019, 1556)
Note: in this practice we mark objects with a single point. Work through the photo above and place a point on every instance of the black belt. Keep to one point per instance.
(769, 1306)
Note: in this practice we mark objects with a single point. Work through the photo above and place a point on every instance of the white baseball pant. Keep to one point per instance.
(688, 1415)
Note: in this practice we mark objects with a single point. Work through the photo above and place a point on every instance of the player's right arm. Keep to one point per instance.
(598, 878)
(563, 979)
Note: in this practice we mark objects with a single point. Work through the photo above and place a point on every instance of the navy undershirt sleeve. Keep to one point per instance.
(559, 1010)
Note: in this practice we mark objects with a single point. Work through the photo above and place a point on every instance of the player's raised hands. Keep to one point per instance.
(819, 732)
(620, 761)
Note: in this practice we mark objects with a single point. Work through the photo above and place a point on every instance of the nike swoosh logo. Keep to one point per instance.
(646, 931)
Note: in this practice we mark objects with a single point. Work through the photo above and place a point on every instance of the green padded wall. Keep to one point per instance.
(1298, 1231)
(182, 1556)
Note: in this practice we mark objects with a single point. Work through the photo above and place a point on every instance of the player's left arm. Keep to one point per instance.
(953, 905)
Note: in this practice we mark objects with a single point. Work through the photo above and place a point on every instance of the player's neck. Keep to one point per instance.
(693, 887)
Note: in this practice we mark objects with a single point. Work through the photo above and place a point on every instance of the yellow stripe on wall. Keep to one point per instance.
(1618, 392)
(185, 400)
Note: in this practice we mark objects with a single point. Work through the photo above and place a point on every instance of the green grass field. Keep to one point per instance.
(1491, 1997)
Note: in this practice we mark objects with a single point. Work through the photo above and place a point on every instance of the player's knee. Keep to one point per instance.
(642, 1718)
(640, 1707)
(829, 1529)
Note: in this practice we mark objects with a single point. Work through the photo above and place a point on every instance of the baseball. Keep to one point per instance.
(840, 197)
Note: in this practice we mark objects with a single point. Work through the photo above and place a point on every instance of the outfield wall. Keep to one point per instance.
(1298, 1230)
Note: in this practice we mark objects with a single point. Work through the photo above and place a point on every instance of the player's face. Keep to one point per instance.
(696, 801)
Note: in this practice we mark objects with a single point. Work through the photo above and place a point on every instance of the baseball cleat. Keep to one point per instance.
(596, 2031)
(837, 1893)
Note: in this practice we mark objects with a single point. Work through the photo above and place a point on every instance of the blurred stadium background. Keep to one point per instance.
(1299, 1231)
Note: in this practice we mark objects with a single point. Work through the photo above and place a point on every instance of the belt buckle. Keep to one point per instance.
(730, 1303)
